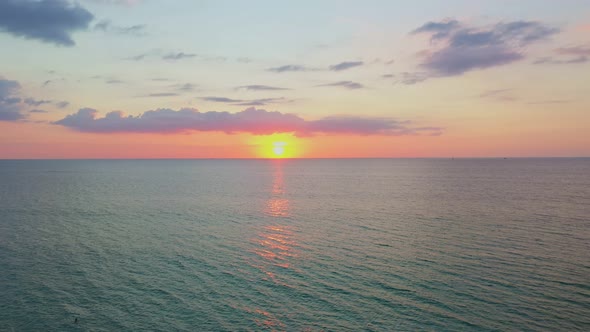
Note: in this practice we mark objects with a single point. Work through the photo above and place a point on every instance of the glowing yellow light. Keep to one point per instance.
(278, 148)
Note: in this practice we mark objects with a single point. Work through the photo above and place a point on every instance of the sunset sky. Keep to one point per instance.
(249, 79)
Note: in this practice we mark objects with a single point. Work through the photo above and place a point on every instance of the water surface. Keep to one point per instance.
(336, 245)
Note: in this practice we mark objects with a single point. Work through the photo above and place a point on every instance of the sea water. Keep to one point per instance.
(295, 245)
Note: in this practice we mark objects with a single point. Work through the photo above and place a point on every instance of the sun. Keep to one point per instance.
(278, 149)
(276, 146)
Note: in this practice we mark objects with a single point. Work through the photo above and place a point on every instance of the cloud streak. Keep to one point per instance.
(256, 87)
(345, 84)
(567, 56)
(346, 65)
(245, 102)
(289, 68)
(108, 26)
(51, 21)
(253, 121)
(178, 56)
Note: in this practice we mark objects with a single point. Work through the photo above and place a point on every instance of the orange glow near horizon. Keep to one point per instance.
(277, 146)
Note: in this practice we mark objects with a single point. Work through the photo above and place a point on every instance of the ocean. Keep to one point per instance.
(295, 245)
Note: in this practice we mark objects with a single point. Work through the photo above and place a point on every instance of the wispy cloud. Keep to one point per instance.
(114, 81)
(246, 102)
(566, 55)
(186, 87)
(554, 61)
(503, 95)
(411, 78)
(35, 102)
(256, 87)
(252, 121)
(289, 68)
(345, 65)
(178, 56)
(345, 84)
(51, 21)
(62, 104)
(108, 26)
(162, 94)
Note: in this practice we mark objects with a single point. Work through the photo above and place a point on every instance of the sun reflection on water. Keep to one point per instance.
(275, 245)
(275, 241)
(278, 204)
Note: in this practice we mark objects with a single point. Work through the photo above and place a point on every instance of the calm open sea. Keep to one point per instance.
(295, 245)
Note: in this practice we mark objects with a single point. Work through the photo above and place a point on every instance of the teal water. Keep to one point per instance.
(295, 245)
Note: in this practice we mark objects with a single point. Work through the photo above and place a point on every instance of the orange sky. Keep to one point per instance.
(431, 79)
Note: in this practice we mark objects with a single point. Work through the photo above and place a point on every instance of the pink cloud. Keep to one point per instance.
(251, 120)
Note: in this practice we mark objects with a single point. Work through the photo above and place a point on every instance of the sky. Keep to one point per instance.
(300, 79)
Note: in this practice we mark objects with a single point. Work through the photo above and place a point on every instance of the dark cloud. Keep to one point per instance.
(256, 87)
(51, 21)
(10, 105)
(345, 84)
(345, 65)
(452, 61)
(438, 30)
(388, 75)
(460, 48)
(37, 111)
(114, 81)
(252, 120)
(287, 68)
(178, 56)
(35, 102)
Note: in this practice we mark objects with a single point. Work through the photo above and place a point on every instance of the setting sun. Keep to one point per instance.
(278, 146)
(278, 149)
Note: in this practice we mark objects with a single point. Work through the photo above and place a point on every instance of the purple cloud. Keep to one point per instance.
(252, 121)
(287, 68)
(51, 21)
(460, 48)
(345, 84)
(345, 65)
(568, 55)
(256, 87)
(246, 102)
(10, 105)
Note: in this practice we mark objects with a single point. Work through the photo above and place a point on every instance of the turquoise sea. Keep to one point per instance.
(295, 245)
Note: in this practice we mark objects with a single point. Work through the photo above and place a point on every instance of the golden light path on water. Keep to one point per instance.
(275, 241)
